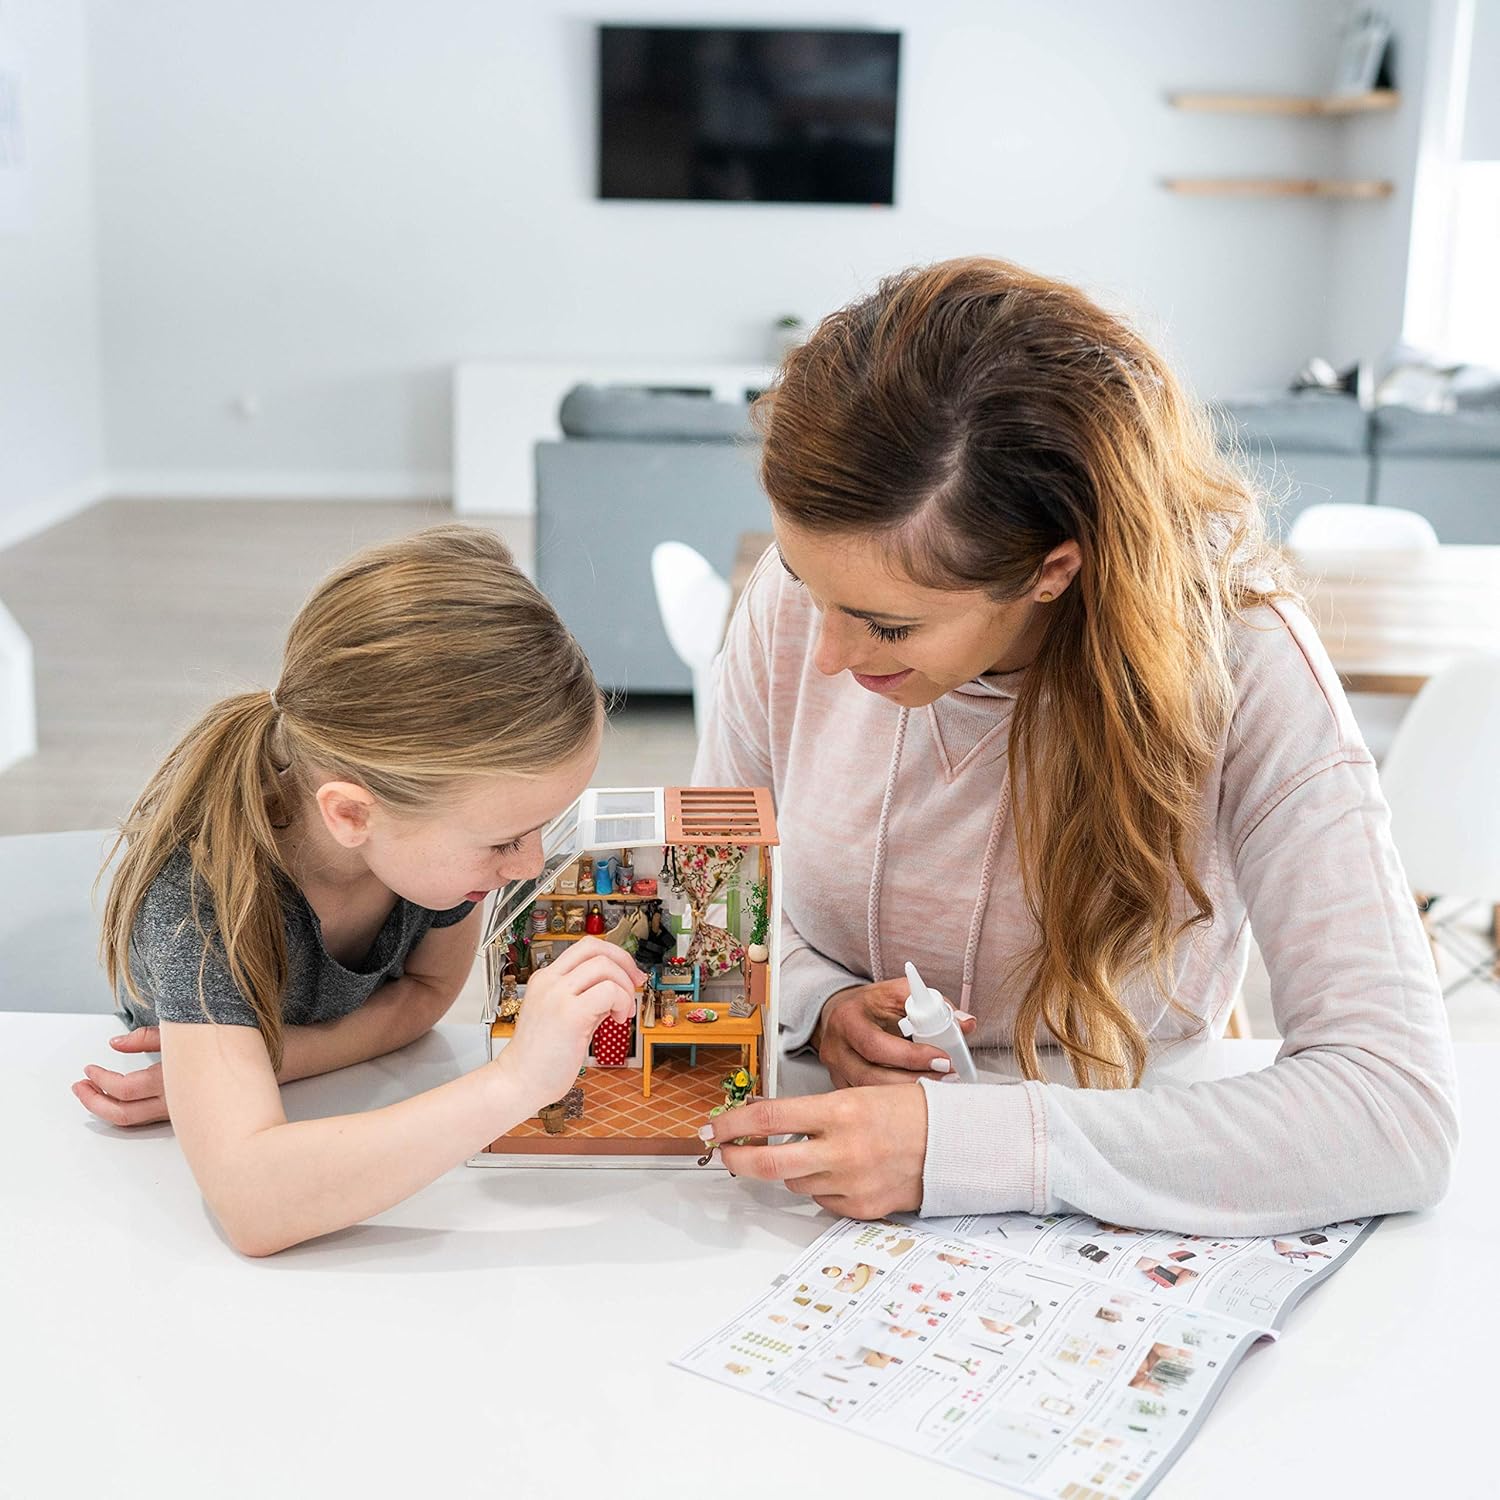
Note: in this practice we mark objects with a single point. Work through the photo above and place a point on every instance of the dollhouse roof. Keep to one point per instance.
(720, 815)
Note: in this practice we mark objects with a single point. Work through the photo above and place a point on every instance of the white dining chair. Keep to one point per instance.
(1439, 777)
(693, 601)
(49, 930)
(1360, 528)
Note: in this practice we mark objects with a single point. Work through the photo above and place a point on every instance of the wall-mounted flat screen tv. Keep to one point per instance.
(758, 116)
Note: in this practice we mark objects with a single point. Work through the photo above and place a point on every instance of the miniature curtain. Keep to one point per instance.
(700, 872)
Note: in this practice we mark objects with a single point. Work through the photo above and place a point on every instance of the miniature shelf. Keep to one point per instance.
(592, 896)
(1279, 187)
(1330, 106)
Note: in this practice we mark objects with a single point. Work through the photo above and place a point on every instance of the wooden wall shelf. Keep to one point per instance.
(1279, 187)
(1332, 106)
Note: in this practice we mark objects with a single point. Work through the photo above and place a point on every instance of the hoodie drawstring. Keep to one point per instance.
(986, 870)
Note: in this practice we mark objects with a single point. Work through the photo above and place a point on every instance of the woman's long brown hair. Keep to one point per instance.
(414, 667)
(978, 415)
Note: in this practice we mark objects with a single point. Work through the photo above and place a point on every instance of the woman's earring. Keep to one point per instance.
(1045, 598)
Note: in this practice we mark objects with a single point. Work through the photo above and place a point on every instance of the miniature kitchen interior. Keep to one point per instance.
(686, 879)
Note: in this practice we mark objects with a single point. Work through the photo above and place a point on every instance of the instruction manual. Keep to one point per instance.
(1056, 1354)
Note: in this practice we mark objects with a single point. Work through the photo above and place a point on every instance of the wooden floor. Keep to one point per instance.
(143, 612)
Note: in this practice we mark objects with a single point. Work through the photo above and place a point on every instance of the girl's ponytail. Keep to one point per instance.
(214, 796)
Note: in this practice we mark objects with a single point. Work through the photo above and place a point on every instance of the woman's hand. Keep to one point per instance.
(137, 1098)
(858, 1042)
(862, 1157)
(565, 1002)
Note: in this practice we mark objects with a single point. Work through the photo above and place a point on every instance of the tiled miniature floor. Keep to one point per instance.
(681, 1098)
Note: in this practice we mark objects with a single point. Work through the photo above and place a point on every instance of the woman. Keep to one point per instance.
(1038, 717)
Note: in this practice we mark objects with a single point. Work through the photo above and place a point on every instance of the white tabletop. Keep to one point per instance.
(508, 1332)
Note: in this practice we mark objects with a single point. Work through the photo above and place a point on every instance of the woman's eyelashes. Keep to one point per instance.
(514, 847)
(890, 634)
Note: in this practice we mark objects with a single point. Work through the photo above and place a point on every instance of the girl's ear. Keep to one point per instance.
(345, 808)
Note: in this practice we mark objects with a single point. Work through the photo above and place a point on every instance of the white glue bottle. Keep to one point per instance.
(930, 1020)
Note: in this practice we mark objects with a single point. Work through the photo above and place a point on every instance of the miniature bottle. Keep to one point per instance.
(930, 1020)
(595, 922)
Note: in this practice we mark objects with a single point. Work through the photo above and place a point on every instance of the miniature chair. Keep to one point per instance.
(49, 932)
(1339, 528)
(694, 604)
(1439, 778)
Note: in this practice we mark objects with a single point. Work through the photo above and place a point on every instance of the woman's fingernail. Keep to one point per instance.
(705, 1132)
(950, 1078)
(941, 1065)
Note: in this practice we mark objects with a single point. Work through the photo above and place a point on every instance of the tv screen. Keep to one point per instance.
(759, 116)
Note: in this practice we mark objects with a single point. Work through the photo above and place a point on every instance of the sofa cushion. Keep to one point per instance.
(1461, 434)
(632, 411)
(1304, 422)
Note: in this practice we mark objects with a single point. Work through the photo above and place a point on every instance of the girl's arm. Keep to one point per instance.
(272, 1183)
(396, 1014)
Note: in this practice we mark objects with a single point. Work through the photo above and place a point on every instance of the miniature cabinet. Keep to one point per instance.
(702, 917)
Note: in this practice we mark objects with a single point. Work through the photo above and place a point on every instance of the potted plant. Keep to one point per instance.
(760, 921)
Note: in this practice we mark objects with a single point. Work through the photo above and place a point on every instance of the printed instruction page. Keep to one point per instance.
(992, 1352)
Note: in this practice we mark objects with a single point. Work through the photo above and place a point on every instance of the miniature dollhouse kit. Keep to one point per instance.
(687, 880)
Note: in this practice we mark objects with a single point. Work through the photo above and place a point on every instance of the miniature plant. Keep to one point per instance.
(760, 914)
(739, 1088)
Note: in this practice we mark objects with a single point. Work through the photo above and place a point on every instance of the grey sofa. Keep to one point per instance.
(1315, 446)
(638, 467)
(635, 468)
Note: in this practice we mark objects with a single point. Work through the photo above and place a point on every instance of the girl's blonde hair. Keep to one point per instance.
(976, 416)
(416, 665)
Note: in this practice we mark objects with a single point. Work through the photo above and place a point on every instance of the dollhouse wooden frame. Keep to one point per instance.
(644, 1109)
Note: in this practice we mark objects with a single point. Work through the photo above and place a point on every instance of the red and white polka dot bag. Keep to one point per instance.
(612, 1043)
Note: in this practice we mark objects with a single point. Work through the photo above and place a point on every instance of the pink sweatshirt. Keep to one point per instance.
(883, 859)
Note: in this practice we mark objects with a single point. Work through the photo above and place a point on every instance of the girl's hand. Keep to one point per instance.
(862, 1157)
(857, 1040)
(137, 1098)
(565, 1002)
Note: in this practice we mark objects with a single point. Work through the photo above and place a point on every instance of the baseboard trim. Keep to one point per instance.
(27, 520)
(279, 484)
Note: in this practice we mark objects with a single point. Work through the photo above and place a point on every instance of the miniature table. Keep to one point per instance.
(743, 1032)
(503, 1331)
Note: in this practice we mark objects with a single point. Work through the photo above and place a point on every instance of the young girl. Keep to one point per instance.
(1038, 718)
(300, 884)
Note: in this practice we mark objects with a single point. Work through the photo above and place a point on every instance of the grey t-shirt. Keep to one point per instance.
(167, 949)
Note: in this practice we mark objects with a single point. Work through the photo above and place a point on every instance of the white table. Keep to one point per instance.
(507, 1332)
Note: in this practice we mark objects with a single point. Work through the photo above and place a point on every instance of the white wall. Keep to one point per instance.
(1372, 241)
(325, 205)
(51, 446)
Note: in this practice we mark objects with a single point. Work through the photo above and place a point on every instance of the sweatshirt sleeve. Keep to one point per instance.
(734, 749)
(1358, 1115)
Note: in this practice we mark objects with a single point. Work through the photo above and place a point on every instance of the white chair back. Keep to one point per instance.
(1440, 780)
(49, 932)
(1340, 528)
(693, 601)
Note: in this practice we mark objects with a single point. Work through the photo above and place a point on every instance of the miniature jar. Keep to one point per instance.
(540, 919)
(576, 916)
(558, 921)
